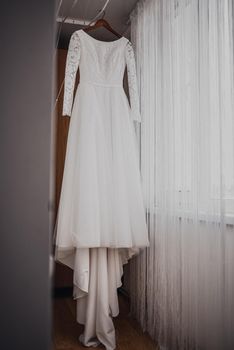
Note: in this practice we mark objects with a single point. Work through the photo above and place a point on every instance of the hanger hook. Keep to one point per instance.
(103, 14)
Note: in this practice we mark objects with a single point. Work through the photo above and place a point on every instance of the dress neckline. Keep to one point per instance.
(101, 41)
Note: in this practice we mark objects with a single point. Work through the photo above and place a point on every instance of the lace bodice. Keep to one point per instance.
(100, 63)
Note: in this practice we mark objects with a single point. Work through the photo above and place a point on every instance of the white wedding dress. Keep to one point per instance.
(101, 217)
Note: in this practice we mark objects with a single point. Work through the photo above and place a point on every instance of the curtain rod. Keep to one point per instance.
(71, 20)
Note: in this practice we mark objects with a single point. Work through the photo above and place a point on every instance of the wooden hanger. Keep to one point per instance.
(102, 23)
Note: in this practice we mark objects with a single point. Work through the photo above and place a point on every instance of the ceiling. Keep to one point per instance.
(117, 14)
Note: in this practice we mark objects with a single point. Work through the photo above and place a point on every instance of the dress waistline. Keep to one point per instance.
(100, 84)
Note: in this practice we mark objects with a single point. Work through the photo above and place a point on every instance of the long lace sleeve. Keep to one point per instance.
(72, 62)
(132, 82)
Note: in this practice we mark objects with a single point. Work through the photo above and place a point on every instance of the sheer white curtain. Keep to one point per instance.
(182, 287)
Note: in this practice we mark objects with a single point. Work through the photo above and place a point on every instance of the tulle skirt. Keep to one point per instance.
(101, 202)
(101, 218)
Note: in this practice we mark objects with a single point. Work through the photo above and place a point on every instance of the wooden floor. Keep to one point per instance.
(66, 330)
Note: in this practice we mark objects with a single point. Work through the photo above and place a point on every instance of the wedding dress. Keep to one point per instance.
(101, 217)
